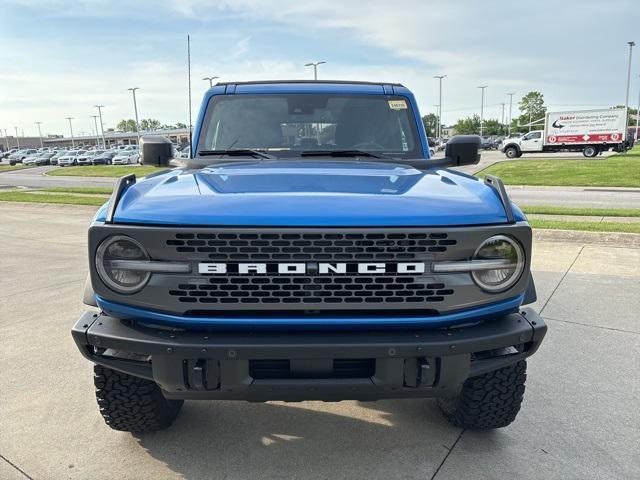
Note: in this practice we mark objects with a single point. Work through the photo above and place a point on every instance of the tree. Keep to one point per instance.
(126, 125)
(532, 108)
(430, 122)
(493, 127)
(468, 126)
(180, 125)
(149, 124)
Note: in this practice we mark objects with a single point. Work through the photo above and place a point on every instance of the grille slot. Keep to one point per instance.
(310, 246)
(342, 368)
(363, 289)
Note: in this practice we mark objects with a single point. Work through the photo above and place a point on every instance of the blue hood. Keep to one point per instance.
(301, 193)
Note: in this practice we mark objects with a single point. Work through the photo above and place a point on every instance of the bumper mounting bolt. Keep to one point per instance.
(204, 350)
(392, 352)
(231, 353)
(452, 347)
(169, 350)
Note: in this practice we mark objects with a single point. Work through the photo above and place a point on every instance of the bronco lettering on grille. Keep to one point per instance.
(310, 268)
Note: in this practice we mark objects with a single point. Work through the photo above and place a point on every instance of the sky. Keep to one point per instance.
(59, 58)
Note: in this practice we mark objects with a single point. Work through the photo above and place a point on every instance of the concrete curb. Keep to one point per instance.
(627, 240)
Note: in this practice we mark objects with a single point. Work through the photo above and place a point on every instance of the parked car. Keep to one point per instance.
(104, 158)
(57, 154)
(7, 153)
(87, 157)
(297, 281)
(125, 157)
(486, 143)
(20, 155)
(43, 158)
(31, 159)
(71, 158)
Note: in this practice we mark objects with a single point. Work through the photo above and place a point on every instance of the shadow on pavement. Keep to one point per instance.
(386, 439)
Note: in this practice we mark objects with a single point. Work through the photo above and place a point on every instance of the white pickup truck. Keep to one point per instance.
(588, 131)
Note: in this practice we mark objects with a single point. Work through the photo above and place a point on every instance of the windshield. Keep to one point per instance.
(287, 124)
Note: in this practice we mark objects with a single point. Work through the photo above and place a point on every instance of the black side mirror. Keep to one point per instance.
(460, 150)
(156, 150)
(463, 150)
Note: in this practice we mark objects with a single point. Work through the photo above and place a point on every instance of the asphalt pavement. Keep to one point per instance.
(579, 419)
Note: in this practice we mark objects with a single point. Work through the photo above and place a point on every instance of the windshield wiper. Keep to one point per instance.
(340, 153)
(237, 152)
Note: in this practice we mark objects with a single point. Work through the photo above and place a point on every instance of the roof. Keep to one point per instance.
(271, 82)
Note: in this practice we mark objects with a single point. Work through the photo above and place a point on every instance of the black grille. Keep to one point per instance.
(336, 289)
(310, 246)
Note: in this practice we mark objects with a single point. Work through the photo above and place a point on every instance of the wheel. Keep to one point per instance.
(12, 163)
(590, 151)
(132, 404)
(488, 401)
(511, 152)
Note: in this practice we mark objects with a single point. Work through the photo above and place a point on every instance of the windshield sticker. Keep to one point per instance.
(397, 105)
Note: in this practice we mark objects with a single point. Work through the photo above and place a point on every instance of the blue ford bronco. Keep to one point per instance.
(309, 250)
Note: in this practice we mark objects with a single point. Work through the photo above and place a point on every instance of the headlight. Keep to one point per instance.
(121, 280)
(504, 248)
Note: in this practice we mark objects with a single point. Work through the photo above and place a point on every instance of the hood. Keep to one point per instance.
(310, 193)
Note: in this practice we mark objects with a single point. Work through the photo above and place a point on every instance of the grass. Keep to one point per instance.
(30, 197)
(588, 212)
(587, 226)
(104, 171)
(620, 170)
(87, 190)
(17, 166)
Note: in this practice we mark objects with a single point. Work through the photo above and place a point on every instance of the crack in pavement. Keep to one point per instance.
(16, 467)
(447, 455)
(592, 326)
(562, 280)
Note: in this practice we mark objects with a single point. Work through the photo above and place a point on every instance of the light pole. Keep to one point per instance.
(40, 133)
(73, 142)
(637, 114)
(211, 79)
(438, 129)
(100, 107)
(626, 100)
(482, 87)
(510, 105)
(17, 137)
(315, 68)
(503, 104)
(135, 108)
(6, 139)
(95, 121)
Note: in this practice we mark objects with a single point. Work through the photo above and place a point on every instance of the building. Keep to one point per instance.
(179, 136)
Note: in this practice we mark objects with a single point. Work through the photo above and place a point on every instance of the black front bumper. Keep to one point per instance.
(261, 366)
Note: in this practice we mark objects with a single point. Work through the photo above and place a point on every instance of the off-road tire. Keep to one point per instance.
(488, 401)
(132, 404)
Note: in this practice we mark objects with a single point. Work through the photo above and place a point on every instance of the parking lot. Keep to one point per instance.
(579, 418)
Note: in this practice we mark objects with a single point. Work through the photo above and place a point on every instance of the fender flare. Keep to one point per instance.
(530, 295)
(89, 296)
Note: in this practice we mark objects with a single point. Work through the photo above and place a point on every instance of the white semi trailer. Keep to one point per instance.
(588, 131)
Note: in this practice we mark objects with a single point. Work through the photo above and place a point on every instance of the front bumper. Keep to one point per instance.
(296, 366)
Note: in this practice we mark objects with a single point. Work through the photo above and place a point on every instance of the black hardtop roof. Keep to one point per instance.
(347, 82)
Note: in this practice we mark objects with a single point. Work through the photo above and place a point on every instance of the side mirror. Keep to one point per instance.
(463, 150)
(155, 150)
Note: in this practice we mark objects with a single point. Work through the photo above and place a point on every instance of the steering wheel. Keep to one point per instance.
(366, 146)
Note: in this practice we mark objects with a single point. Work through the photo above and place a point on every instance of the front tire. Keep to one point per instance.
(511, 152)
(487, 401)
(132, 404)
